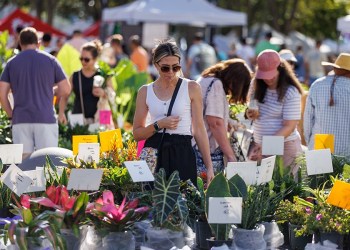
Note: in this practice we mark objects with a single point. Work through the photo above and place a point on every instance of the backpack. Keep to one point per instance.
(205, 58)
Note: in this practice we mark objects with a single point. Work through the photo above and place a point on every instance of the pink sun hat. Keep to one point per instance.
(268, 61)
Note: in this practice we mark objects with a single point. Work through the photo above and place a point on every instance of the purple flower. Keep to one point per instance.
(319, 216)
(308, 210)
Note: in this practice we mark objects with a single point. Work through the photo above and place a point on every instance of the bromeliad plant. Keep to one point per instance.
(170, 210)
(33, 229)
(73, 207)
(110, 217)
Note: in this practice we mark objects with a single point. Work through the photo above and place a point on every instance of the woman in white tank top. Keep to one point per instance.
(185, 120)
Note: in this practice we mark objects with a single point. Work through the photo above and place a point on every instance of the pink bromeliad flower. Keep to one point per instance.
(57, 197)
(113, 212)
(319, 217)
(25, 201)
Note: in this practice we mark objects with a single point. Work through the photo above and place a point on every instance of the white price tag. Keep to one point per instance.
(11, 153)
(139, 171)
(85, 179)
(272, 145)
(89, 152)
(16, 179)
(319, 161)
(225, 210)
(38, 181)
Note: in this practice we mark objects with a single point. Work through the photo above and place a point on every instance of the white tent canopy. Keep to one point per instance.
(190, 12)
(343, 24)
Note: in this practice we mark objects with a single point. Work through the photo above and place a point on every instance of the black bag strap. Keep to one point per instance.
(176, 90)
(206, 95)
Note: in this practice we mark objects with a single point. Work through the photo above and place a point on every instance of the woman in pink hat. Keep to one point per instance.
(277, 92)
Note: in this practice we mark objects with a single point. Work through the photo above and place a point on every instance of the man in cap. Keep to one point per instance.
(327, 107)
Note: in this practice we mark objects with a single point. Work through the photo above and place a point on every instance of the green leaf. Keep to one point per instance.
(27, 216)
(238, 188)
(165, 196)
(21, 239)
(81, 203)
(346, 171)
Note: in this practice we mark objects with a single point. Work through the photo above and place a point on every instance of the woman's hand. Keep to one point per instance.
(210, 175)
(252, 114)
(62, 118)
(98, 92)
(170, 122)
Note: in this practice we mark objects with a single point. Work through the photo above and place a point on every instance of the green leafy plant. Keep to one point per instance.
(5, 192)
(292, 212)
(323, 217)
(33, 229)
(170, 209)
(221, 187)
(5, 128)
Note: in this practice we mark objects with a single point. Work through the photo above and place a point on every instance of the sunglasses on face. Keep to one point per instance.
(166, 69)
(85, 59)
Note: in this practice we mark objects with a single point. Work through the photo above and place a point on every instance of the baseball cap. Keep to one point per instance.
(268, 61)
(288, 55)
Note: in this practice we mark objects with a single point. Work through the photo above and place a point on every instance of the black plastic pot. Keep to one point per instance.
(297, 242)
(203, 232)
(333, 237)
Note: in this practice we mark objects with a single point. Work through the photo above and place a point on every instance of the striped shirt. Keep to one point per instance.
(320, 118)
(272, 113)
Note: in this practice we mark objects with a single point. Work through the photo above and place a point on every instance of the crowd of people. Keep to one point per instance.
(183, 113)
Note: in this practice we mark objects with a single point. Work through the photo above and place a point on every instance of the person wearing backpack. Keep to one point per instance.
(200, 57)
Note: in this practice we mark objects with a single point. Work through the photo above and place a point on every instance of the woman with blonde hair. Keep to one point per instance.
(181, 121)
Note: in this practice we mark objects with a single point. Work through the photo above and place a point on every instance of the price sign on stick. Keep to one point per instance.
(16, 180)
(11, 153)
(139, 171)
(225, 210)
(272, 145)
(85, 179)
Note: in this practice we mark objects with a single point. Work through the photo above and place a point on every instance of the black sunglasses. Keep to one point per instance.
(166, 69)
(85, 59)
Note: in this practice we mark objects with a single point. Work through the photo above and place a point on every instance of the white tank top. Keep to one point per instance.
(158, 109)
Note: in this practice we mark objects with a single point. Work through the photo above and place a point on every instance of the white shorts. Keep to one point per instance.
(35, 136)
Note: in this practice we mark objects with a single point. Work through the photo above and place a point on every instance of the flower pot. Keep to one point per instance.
(249, 239)
(72, 242)
(272, 235)
(297, 242)
(41, 244)
(164, 239)
(203, 232)
(212, 242)
(90, 238)
(332, 237)
(119, 241)
(285, 231)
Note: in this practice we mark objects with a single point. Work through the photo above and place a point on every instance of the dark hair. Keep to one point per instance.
(235, 76)
(286, 78)
(268, 34)
(94, 47)
(19, 28)
(77, 32)
(165, 48)
(46, 37)
(198, 36)
(28, 36)
(117, 39)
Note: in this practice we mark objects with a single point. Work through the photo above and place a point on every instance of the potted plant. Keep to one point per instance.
(115, 222)
(295, 214)
(169, 213)
(34, 231)
(221, 187)
(72, 207)
(197, 220)
(325, 220)
(5, 198)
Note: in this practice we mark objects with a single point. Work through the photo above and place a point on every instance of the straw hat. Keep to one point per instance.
(342, 62)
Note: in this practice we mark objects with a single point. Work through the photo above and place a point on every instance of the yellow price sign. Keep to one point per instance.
(109, 138)
(82, 139)
(340, 195)
(324, 141)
